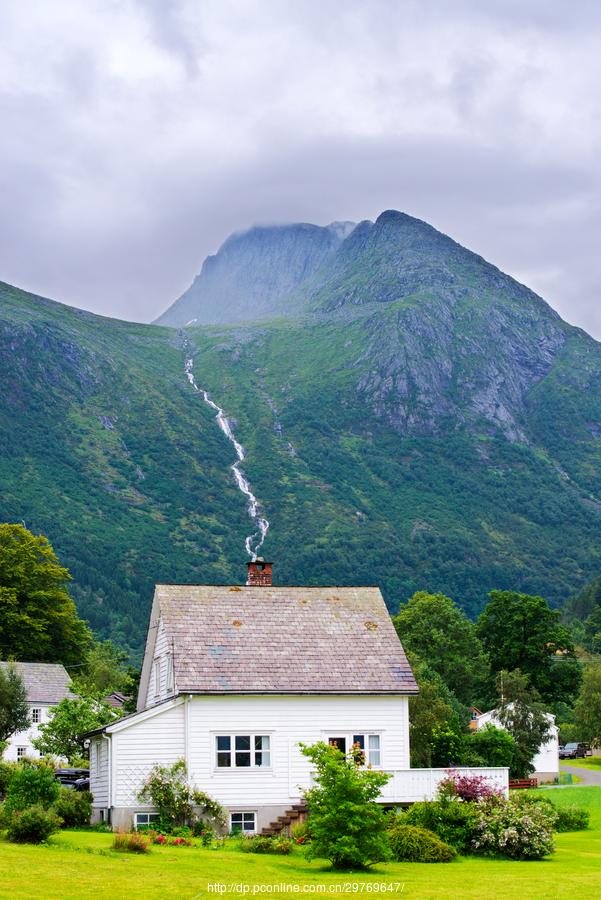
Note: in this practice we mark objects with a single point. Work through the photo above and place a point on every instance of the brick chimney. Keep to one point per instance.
(259, 573)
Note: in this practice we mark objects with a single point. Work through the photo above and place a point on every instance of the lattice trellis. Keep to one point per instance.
(130, 782)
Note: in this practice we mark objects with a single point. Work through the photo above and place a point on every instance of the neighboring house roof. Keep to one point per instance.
(44, 682)
(115, 699)
(263, 639)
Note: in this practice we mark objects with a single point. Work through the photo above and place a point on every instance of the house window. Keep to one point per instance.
(21, 752)
(367, 746)
(245, 822)
(146, 819)
(36, 715)
(242, 751)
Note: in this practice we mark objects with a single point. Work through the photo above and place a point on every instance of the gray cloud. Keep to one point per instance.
(137, 135)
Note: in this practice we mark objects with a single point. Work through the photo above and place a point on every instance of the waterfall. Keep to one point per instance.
(253, 542)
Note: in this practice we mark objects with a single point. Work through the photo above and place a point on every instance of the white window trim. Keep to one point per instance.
(156, 677)
(244, 812)
(145, 812)
(22, 752)
(234, 768)
(348, 735)
(38, 710)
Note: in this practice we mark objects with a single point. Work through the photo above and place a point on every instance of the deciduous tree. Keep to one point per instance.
(520, 631)
(14, 709)
(433, 627)
(38, 619)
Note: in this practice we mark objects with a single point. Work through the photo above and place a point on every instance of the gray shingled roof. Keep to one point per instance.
(44, 682)
(283, 639)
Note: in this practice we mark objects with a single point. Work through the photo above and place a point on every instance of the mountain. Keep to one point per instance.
(410, 417)
(255, 274)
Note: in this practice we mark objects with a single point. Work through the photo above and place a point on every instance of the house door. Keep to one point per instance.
(339, 742)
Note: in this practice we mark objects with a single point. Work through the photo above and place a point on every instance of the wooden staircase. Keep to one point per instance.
(282, 825)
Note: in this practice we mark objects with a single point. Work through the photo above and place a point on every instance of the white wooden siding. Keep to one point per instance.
(25, 738)
(287, 720)
(99, 771)
(160, 664)
(137, 747)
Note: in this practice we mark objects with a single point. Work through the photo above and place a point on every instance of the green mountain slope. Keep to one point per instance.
(427, 422)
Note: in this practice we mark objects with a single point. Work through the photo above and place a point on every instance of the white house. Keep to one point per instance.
(235, 677)
(546, 761)
(46, 685)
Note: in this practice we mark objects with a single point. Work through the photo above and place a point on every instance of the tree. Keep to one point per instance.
(524, 717)
(435, 728)
(347, 826)
(588, 707)
(62, 735)
(520, 631)
(105, 670)
(433, 627)
(14, 709)
(38, 619)
(489, 746)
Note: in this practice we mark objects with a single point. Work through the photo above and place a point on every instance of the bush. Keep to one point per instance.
(132, 842)
(348, 826)
(32, 784)
(412, 844)
(572, 818)
(467, 787)
(453, 821)
(514, 829)
(489, 746)
(204, 831)
(32, 825)
(259, 843)
(300, 833)
(168, 790)
(74, 807)
(7, 770)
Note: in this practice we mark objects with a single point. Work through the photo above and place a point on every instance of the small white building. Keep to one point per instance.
(46, 685)
(234, 678)
(546, 761)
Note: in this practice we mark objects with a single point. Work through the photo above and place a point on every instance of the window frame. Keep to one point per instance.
(21, 752)
(366, 734)
(233, 752)
(244, 813)
(36, 715)
(148, 813)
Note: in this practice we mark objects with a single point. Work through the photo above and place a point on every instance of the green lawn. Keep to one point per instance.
(79, 865)
(591, 762)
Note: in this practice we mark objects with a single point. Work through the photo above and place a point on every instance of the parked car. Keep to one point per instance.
(69, 777)
(82, 784)
(575, 751)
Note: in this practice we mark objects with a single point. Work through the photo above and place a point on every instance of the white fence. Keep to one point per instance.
(412, 785)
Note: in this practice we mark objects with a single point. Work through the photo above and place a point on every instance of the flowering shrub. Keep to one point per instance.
(514, 830)
(167, 789)
(467, 787)
(163, 840)
(300, 833)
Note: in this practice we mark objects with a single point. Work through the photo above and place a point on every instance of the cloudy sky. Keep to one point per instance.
(137, 134)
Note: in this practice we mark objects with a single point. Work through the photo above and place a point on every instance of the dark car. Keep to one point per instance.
(574, 751)
(82, 784)
(69, 777)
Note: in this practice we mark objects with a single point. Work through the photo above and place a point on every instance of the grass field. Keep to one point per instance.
(591, 762)
(78, 865)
